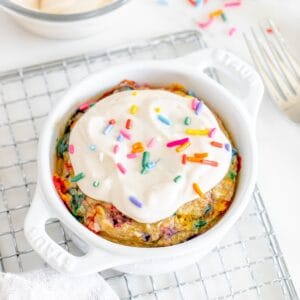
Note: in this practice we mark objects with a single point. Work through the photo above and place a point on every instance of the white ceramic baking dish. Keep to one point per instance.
(239, 118)
(71, 26)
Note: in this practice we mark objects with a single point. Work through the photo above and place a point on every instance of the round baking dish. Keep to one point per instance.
(66, 26)
(238, 116)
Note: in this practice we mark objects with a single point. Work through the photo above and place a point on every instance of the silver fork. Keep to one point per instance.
(278, 68)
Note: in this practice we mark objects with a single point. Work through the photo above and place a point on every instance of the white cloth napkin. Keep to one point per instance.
(47, 284)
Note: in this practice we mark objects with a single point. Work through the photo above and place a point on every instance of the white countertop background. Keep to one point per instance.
(278, 139)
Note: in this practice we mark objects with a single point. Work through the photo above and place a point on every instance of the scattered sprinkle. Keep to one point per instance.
(96, 183)
(150, 165)
(209, 162)
(223, 16)
(231, 4)
(135, 201)
(231, 31)
(71, 149)
(121, 168)
(184, 159)
(132, 155)
(128, 124)
(126, 135)
(187, 121)
(212, 132)
(216, 13)
(116, 149)
(183, 147)
(191, 131)
(205, 24)
(151, 143)
(145, 160)
(93, 147)
(137, 147)
(194, 103)
(134, 93)
(112, 122)
(157, 109)
(164, 120)
(197, 189)
(108, 128)
(199, 107)
(269, 30)
(177, 142)
(134, 109)
(120, 138)
(177, 178)
(201, 155)
(194, 159)
(216, 144)
(78, 177)
(84, 106)
(227, 147)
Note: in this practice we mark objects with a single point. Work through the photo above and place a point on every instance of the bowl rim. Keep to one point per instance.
(42, 16)
(49, 192)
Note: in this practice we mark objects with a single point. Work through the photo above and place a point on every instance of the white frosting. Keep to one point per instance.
(63, 6)
(159, 195)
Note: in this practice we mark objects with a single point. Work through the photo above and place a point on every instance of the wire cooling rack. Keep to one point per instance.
(248, 264)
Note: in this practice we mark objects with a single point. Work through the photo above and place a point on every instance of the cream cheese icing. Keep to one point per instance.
(102, 152)
(63, 6)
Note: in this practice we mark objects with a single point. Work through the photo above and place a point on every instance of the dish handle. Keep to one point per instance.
(234, 68)
(93, 261)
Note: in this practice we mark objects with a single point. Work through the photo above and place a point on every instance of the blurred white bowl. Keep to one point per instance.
(66, 26)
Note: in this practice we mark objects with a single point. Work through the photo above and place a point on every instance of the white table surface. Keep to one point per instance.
(278, 139)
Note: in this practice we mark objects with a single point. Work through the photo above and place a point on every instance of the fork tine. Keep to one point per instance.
(277, 61)
(264, 74)
(271, 68)
(291, 61)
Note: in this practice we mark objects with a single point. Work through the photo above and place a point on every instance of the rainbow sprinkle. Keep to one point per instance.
(183, 147)
(71, 149)
(191, 131)
(216, 144)
(177, 142)
(133, 109)
(157, 109)
(164, 120)
(96, 183)
(78, 177)
(116, 149)
(108, 128)
(199, 107)
(151, 143)
(187, 121)
(145, 160)
(121, 168)
(93, 147)
(177, 178)
(212, 132)
(197, 189)
(137, 147)
(120, 138)
(209, 162)
(184, 159)
(194, 103)
(135, 201)
(128, 124)
(132, 155)
(125, 134)
(227, 147)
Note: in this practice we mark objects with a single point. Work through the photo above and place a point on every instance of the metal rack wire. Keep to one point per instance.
(248, 264)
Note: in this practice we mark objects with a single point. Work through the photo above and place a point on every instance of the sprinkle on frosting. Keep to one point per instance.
(177, 142)
(164, 120)
(126, 135)
(151, 143)
(187, 121)
(212, 132)
(78, 177)
(177, 178)
(135, 201)
(183, 147)
(197, 189)
(132, 155)
(93, 147)
(116, 149)
(121, 168)
(71, 149)
(199, 107)
(191, 131)
(216, 144)
(209, 162)
(108, 128)
(96, 183)
(133, 109)
(128, 124)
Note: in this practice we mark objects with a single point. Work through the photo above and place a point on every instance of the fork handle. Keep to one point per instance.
(236, 69)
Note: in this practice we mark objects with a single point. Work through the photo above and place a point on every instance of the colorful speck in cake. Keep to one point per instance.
(146, 166)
